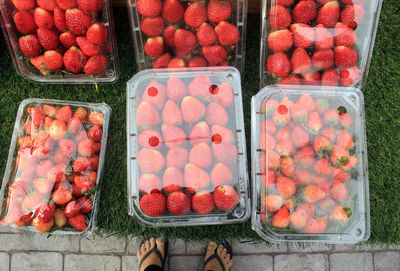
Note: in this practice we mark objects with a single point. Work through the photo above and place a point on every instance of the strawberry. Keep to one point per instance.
(200, 133)
(43, 18)
(150, 160)
(268, 179)
(42, 226)
(173, 135)
(338, 215)
(344, 35)
(281, 116)
(74, 59)
(200, 155)
(195, 178)
(176, 89)
(218, 11)
(155, 93)
(85, 147)
(95, 65)
(85, 204)
(67, 147)
(287, 166)
(96, 118)
(195, 14)
(168, 35)
(270, 106)
(339, 191)
(273, 203)
(322, 166)
(323, 59)
(222, 94)
(57, 130)
(300, 61)
(24, 4)
(149, 8)
(309, 207)
(225, 153)
(284, 147)
(154, 47)
(304, 11)
(285, 186)
(339, 175)
(176, 63)
(322, 144)
(284, 2)
(59, 19)
(221, 134)
(323, 38)
(78, 222)
(61, 196)
(192, 109)
(326, 204)
(162, 61)
(171, 113)
(81, 164)
(149, 26)
(202, 202)
(279, 17)
(345, 57)
(24, 22)
(66, 4)
(53, 60)
(149, 183)
(59, 218)
(43, 185)
(352, 162)
(199, 87)
(214, 54)
(147, 115)
(321, 105)
(349, 76)
(216, 114)
(88, 48)
(290, 80)
(30, 45)
(68, 40)
(352, 15)
(266, 141)
(315, 226)
(280, 40)
(278, 64)
(330, 78)
(225, 197)
(43, 167)
(227, 33)
(344, 139)
(90, 5)
(97, 33)
(314, 122)
(206, 35)
(303, 35)
(339, 155)
(303, 176)
(221, 175)
(77, 21)
(177, 157)
(305, 157)
(74, 125)
(311, 78)
(172, 179)
(328, 14)
(64, 113)
(172, 11)
(81, 114)
(185, 41)
(307, 102)
(48, 38)
(178, 203)
(47, 4)
(198, 61)
(281, 218)
(313, 193)
(72, 209)
(298, 219)
(300, 137)
(345, 120)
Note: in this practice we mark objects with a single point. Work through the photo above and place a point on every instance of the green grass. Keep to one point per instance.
(382, 97)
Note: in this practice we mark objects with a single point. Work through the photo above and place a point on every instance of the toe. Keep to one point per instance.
(160, 246)
(223, 253)
(147, 244)
(143, 248)
(220, 249)
(210, 250)
(152, 242)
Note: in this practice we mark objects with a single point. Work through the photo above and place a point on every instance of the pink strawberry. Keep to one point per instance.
(313, 193)
(216, 114)
(280, 40)
(227, 33)
(303, 176)
(281, 116)
(304, 11)
(171, 113)
(199, 87)
(311, 78)
(323, 38)
(200, 133)
(200, 155)
(331, 118)
(281, 218)
(225, 153)
(173, 135)
(172, 11)
(279, 17)
(299, 137)
(349, 76)
(195, 178)
(303, 35)
(192, 109)
(214, 54)
(195, 14)
(323, 167)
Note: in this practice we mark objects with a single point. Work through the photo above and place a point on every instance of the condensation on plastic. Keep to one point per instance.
(357, 228)
(218, 75)
(11, 169)
(239, 18)
(28, 71)
(365, 41)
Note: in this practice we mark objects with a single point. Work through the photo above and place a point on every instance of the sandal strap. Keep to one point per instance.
(215, 256)
(157, 252)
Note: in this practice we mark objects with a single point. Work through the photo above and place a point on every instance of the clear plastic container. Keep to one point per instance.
(309, 165)
(90, 60)
(52, 178)
(327, 44)
(186, 147)
(227, 50)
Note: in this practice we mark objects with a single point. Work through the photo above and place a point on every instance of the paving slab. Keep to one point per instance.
(252, 262)
(74, 262)
(43, 261)
(301, 262)
(103, 244)
(190, 263)
(245, 247)
(387, 261)
(5, 262)
(351, 261)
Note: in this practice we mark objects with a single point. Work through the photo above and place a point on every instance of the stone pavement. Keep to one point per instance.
(37, 252)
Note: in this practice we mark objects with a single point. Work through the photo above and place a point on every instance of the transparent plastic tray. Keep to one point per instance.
(309, 165)
(23, 64)
(324, 60)
(54, 167)
(186, 147)
(235, 52)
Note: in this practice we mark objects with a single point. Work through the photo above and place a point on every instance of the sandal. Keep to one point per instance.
(228, 248)
(157, 252)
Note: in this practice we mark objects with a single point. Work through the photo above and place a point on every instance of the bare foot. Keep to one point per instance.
(153, 258)
(214, 264)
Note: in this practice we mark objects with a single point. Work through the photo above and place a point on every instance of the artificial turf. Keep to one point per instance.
(382, 98)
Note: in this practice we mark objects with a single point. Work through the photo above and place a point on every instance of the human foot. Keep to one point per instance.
(217, 258)
(151, 252)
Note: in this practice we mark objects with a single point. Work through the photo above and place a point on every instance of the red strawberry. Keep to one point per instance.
(303, 176)
(172, 11)
(95, 65)
(81, 114)
(328, 14)
(280, 40)
(48, 38)
(78, 222)
(286, 187)
(64, 113)
(227, 33)
(24, 22)
(323, 38)
(314, 122)
(339, 156)
(150, 26)
(330, 78)
(290, 80)
(85, 204)
(300, 61)
(322, 166)
(303, 35)
(352, 162)
(177, 63)
(225, 153)
(338, 215)
(95, 133)
(304, 11)
(339, 191)
(90, 5)
(315, 226)
(30, 45)
(57, 130)
(225, 197)
(206, 35)
(344, 35)
(185, 41)
(322, 143)
(195, 178)
(72, 209)
(88, 48)
(313, 193)
(349, 76)
(53, 60)
(81, 164)
(59, 218)
(284, 2)
(331, 117)
(172, 180)
(43, 226)
(96, 118)
(59, 19)
(281, 218)
(173, 135)
(43, 18)
(66, 4)
(162, 61)
(279, 17)
(150, 160)
(300, 137)
(202, 202)
(200, 133)
(149, 8)
(155, 93)
(311, 78)
(61, 196)
(178, 203)
(323, 59)
(278, 64)
(352, 15)
(195, 14)
(77, 21)
(339, 175)
(168, 35)
(154, 47)
(149, 183)
(24, 4)
(345, 57)
(273, 203)
(177, 157)
(218, 11)
(97, 32)
(68, 40)
(47, 4)
(198, 61)
(287, 166)
(214, 54)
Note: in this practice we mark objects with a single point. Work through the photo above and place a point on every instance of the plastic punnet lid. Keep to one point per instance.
(309, 162)
(54, 167)
(327, 43)
(186, 147)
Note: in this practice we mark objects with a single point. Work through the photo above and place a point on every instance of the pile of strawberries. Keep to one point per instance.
(55, 174)
(307, 165)
(311, 42)
(187, 150)
(58, 34)
(188, 34)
